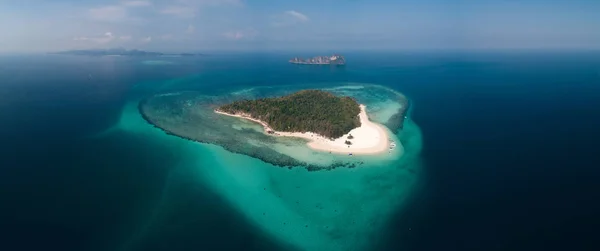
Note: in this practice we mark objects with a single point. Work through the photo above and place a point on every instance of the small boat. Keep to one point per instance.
(350, 154)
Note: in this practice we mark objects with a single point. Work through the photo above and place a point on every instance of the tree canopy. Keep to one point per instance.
(304, 111)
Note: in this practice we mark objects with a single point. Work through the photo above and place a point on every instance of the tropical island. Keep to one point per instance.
(195, 116)
(304, 111)
(330, 123)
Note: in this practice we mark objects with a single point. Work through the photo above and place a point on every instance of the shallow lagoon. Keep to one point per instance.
(310, 209)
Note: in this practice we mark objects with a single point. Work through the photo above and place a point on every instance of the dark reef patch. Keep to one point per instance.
(396, 122)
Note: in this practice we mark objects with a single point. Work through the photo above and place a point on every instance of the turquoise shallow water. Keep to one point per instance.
(339, 209)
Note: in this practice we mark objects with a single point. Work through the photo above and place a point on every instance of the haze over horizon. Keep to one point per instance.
(200, 25)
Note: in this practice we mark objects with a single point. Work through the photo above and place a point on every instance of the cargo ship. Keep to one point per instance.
(321, 60)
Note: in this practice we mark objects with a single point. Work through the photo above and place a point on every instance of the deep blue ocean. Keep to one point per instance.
(510, 149)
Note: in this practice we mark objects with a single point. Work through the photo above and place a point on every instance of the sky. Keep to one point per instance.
(202, 25)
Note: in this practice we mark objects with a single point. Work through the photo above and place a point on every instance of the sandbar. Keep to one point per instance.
(370, 138)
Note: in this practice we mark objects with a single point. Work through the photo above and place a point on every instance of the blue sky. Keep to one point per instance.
(200, 25)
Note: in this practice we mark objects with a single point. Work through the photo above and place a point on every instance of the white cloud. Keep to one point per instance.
(125, 38)
(238, 35)
(189, 8)
(116, 13)
(180, 11)
(211, 2)
(234, 35)
(147, 39)
(288, 18)
(108, 13)
(297, 15)
(167, 37)
(136, 3)
(99, 39)
(190, 29)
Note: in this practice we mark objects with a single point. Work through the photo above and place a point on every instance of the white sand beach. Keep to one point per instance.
(369, 138)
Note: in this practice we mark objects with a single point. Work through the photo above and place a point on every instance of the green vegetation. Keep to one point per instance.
(304, 111)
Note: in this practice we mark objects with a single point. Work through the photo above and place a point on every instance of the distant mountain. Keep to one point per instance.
(122, 52)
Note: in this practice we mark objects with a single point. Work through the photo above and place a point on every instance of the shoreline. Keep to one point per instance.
(369, 139)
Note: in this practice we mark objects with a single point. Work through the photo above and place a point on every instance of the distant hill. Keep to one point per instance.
(122, 52)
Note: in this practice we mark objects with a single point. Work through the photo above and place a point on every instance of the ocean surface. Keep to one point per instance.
(508, 154)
